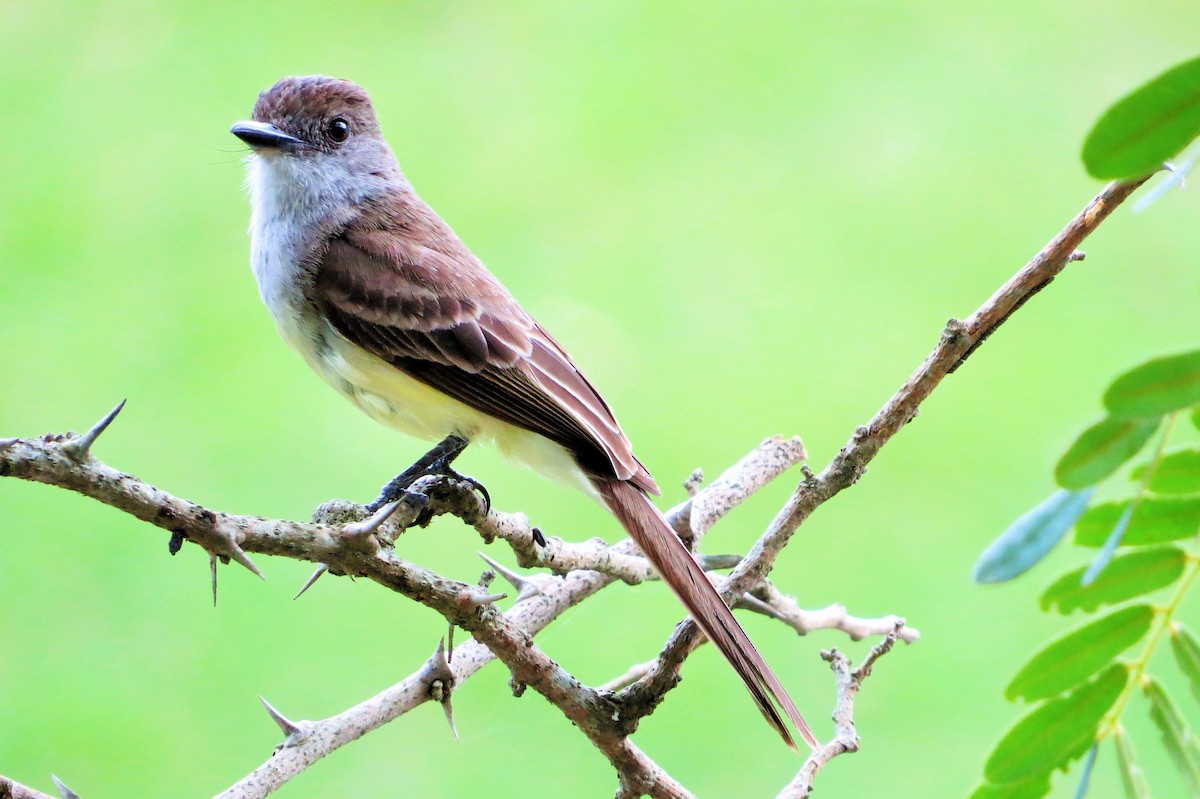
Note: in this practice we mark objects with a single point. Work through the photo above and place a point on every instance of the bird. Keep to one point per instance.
(385, 303)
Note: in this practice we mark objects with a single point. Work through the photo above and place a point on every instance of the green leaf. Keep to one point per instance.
(1187, 655)
(1030, 537)
(1179, 739)
(1176, 473)
(1080, 653)
(1101, 449)
(1056, 732)
(1034, 788)
(1157, 520)
(1196, 417)
(1131, 574)
(1156, 387)
(1146, 127)
(1131, 776)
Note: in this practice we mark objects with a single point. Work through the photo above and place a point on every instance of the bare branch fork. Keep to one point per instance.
(849, 681)
(344, 539)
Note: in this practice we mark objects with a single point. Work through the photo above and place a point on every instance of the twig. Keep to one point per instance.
(634, 673)
(845, 738)
(705, 508)
(772, 602)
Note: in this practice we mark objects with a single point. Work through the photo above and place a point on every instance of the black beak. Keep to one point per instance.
(262, 136)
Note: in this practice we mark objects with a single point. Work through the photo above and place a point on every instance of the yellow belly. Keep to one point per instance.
(394, 399)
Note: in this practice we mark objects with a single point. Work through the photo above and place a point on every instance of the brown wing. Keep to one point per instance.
(438, 315)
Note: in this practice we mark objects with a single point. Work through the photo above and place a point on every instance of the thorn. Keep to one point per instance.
(449, 709)
(77, 448)
(372, 522)
(63, 790)
(212, 564)
(488, 599)
(321, 569)
(241, 557)
(440, 687)
(289, 727)
(440, 654)
(450, 646)
(524, 587)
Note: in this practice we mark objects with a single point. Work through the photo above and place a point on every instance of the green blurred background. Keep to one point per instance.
(742, 219)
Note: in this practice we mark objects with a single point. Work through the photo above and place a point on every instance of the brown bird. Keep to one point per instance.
(385, 303)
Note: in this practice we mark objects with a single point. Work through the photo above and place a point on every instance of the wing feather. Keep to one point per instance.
(441, 318)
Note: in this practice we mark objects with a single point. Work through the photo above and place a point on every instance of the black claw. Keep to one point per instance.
(483, 492)
(474, 484)
(538, 538)
(176, 542)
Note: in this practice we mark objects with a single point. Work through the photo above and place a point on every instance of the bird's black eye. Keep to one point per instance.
(338, 130)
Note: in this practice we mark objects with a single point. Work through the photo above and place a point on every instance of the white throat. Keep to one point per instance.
(294, 201)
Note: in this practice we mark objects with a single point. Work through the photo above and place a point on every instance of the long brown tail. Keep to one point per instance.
(650, 531)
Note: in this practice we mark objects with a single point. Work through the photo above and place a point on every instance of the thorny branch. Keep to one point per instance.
(346, 540)
(343, 543)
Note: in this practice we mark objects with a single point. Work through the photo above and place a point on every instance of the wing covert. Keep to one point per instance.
(452, 326)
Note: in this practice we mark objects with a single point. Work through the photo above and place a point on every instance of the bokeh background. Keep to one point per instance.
(742, 219)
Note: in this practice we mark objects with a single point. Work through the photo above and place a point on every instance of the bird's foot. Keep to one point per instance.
(435, 462)
(475, 485)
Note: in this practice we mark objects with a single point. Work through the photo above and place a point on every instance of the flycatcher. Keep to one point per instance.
(385, 303)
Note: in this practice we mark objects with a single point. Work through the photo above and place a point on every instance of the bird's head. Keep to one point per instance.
(320, 136)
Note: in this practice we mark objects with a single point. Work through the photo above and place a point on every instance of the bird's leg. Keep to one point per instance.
(435, 461)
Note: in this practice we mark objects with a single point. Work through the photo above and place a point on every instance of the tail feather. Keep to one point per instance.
(650, 531)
